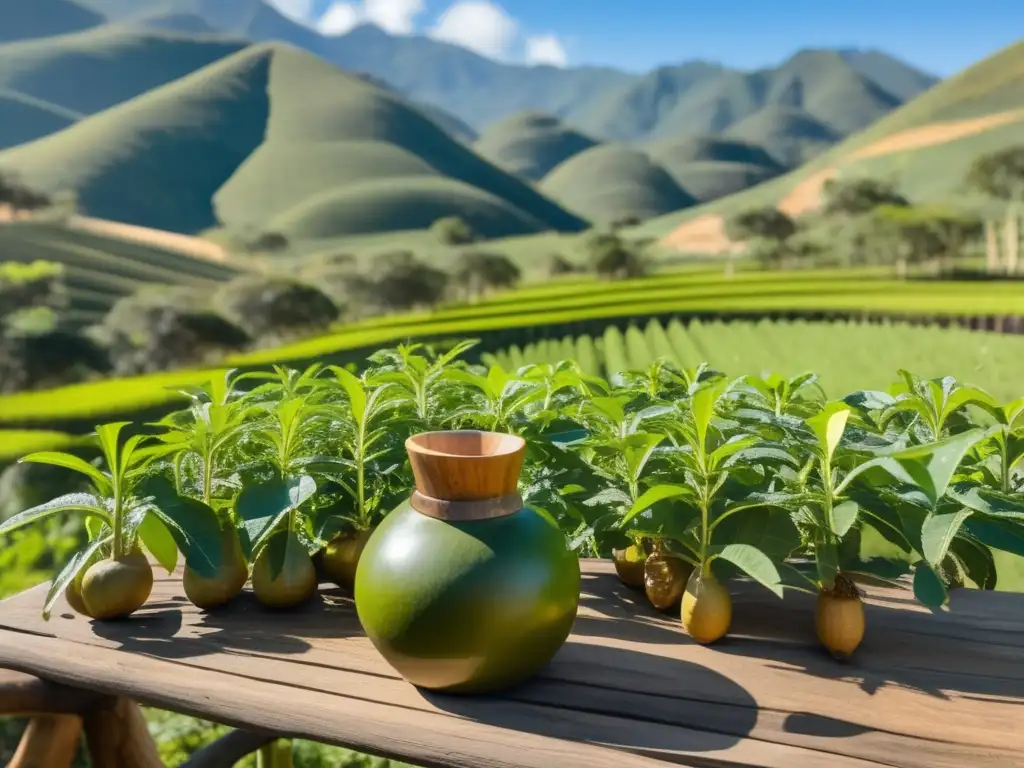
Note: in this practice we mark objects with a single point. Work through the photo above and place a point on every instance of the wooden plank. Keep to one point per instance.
(917, 694)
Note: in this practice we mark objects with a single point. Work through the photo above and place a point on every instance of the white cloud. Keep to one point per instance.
(479, 25)
(546, 49)
(339, 19)
(396, 17)
(297, 10)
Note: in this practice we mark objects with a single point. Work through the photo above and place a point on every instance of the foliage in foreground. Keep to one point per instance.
(764, 477)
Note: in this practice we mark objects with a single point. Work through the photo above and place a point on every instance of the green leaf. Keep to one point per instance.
(735, 445)
(72, 462)
(751, 561)
(977, 561)
(84, 503)
(82, 559)
(845, 515)
(938, 532)
(108, 436)
(933, 465)
(356, 392)
(159, 541)
(702, 406)
(928, 587)
(194, 526)
(826, 560)
(260, 507)
(997, 534)
(829, 425)
(989, 501)
(652, 496)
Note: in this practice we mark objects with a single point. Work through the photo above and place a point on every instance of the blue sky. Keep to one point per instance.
(941, 36)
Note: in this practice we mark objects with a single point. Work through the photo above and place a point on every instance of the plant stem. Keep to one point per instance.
(1005, 462)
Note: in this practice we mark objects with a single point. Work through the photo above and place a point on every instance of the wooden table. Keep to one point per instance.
(628, 688)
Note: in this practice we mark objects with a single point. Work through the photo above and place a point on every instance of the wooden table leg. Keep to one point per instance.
(49, 741)
(116, 735)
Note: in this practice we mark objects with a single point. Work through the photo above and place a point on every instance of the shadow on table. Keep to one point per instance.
(615, 707)
(934, 655)
(177, 630)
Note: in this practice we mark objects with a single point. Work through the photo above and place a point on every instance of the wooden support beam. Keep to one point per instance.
(226, 751)
(117, 735)
(26, 695)
(49, 741)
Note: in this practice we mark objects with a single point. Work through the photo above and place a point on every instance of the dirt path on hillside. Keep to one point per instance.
(706, 234)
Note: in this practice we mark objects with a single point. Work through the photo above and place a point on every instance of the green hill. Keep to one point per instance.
(530, 144)
(699, 98)
(791, 135)
(710, 167)
(920, 146)
(301, 135)
(24, 19)
(611, 182)
(90, 71)
(23, 118)
(157, 160)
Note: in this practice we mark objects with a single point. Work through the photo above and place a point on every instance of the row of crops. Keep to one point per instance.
(99, 270)
(846, 354)
(578, 308)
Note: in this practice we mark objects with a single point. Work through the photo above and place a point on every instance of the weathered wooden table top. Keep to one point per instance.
(627, 689)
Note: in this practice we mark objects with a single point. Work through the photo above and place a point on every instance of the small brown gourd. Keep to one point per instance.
(706, 608)
(341, 557)
(839, 617)
(665, 577)
(114, 589)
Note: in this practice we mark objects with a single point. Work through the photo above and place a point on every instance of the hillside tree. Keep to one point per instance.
(399, 280)
(854, 197)
(1000, 175)
(559, 265)
(767, 232)
(18, 196)
(610, 256)
(270, 308)
(453, 230)
(478, 271)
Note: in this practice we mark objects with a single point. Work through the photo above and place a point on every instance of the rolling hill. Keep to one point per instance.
(274, 136)
(925, 147)
(43, 18)
(791, 135)
(607, 104)
(530, 144)
(609, 183)
(89, 71)
(24, 118)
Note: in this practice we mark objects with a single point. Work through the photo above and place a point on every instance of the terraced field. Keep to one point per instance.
(99, 270)
(847, 355)
(557, 309)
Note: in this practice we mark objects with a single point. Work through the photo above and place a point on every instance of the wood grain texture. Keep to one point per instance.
(49, 741)
(925, 690)
(466, 465)
(117, 736)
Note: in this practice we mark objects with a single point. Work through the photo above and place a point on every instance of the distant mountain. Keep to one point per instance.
(274, 138)
(611, 183)
(924, 148)
(89, 71)
(24, 19)
(789, 134)
(530, 144)
(845, 90)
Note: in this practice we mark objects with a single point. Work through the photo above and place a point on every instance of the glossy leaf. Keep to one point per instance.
(260, 507)
(75, 464)
(928, 587)
(651, 497)
(845, 515)
(751, 561)
(158, 540)
(82, 503)
(828, 425)
(194, 526)
(938, 532)
(82, 559)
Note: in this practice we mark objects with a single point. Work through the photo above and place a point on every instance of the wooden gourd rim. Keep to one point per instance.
(464, 475)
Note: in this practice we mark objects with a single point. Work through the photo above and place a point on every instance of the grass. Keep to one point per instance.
(847, 356)
(542, 309)
(530, 144)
